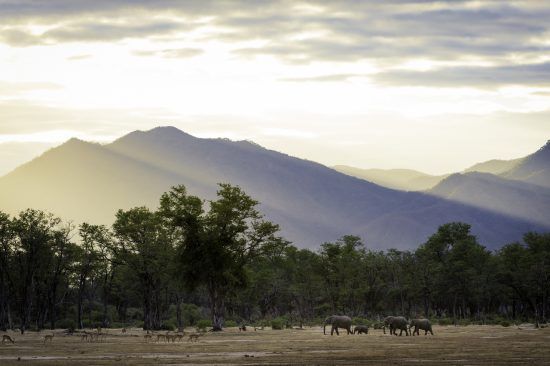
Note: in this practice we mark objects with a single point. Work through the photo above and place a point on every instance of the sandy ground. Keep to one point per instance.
(470, 345)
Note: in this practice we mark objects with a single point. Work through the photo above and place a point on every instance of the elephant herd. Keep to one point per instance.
(394, 323)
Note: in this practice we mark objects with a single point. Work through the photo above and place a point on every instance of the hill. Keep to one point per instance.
(488, 191)
(403, 179)
(312, 203)
(534, 168)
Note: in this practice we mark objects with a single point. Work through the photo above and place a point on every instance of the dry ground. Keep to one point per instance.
(470, 345)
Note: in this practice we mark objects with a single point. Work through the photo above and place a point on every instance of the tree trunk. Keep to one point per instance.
(79, 311)
(178, 312)
(217, 308)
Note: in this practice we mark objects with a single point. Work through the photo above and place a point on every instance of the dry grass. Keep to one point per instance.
(471, 345)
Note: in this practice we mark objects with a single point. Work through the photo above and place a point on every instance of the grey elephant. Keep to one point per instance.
(359, 329)
(398, 323)
(338, 321)
(423, 324)
(387, 323)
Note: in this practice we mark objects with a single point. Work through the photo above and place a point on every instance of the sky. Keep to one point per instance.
(431, 86)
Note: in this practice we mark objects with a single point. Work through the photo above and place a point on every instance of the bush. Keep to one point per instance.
(230, 323)
(168, 325)
(505, 323)
(69, 324)
(445, 321)
(361, 321)
(203, 324)
(191, 314)
(277, 324)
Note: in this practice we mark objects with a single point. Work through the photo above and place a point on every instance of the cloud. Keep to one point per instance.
(171, 53)
(483, 77)
(387, 33)
(323, 78)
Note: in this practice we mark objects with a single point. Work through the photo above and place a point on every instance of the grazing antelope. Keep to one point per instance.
(179, 337)
(84, 337)
(6, 337)
(48, 337)
(194, 337)
(161, 336)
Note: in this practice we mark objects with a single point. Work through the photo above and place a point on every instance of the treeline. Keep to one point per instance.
(221, 260)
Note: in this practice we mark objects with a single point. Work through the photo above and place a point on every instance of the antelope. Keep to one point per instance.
(159, 336)
(179, 337)
(83, 337)
(123, 330)
(48, 337)
(6, 337)
(194, 337)
(147, 337)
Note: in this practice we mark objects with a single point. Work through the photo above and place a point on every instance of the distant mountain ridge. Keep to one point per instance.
(488, 191)
(402, 179)
(312, 203)
(534, 168)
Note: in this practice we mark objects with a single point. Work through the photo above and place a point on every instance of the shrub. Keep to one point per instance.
(230, 323)
(203, 324)
(445, 321)
(69, 324)
(361, 321)
(505, 323)
(277, 324)
(191, 314)
(168, 325)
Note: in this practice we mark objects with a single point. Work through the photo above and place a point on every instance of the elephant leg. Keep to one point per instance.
(336, 329)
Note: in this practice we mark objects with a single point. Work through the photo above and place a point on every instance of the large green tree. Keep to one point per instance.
(215, 246)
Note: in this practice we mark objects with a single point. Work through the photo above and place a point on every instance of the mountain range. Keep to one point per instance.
(313, 203)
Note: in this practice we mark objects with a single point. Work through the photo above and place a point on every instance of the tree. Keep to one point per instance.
(214, 247)
(33, 231)
(143, 244)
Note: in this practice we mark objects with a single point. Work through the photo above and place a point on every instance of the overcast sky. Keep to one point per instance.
(432, 86)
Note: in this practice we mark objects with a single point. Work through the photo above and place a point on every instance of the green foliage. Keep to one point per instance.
(191, 314)
(66, 323)
(445, 321)
(203, 324)
(277, 324)
(136, 273)
(169, 325)
(361, 321)
(230, 323)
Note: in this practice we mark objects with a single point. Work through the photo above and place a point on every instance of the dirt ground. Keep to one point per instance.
(469, 345)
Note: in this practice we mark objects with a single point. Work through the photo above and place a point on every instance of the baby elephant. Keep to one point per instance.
(360, 329)
(423, 324)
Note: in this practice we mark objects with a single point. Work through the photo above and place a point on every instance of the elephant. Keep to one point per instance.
(338, 321)
(361, 329)
(387, 323)
(398, 322)
(423, 324)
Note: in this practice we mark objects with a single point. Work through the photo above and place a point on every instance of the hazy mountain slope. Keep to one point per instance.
(514, 198)
(534, 168)
(83, 181)
(494, 166)
(403, 179)
(311, 202)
